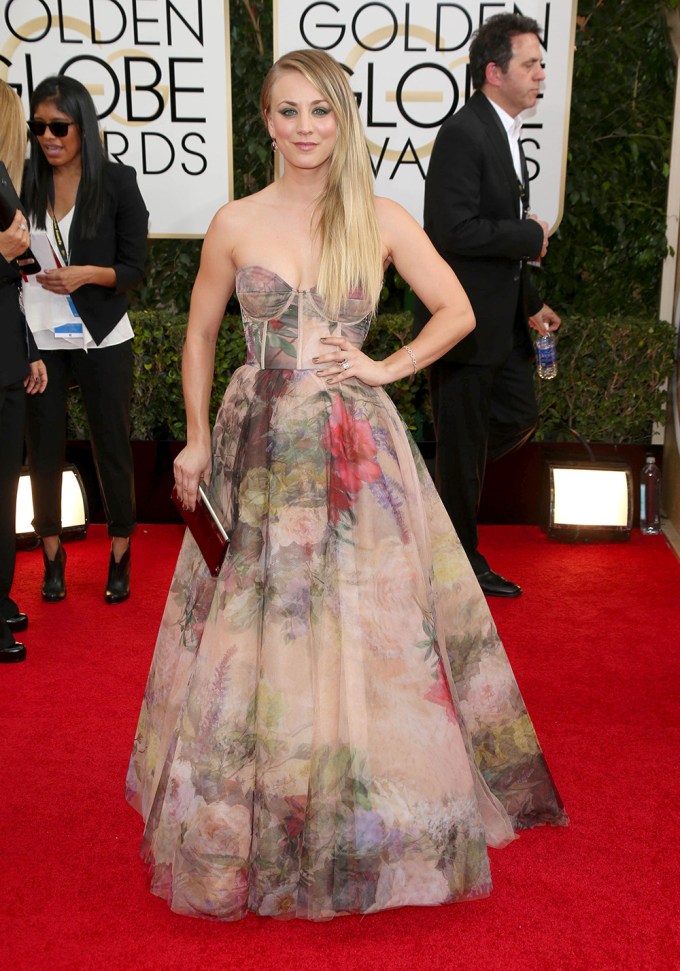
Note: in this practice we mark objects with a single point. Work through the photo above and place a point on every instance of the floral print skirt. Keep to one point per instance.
(331, 725)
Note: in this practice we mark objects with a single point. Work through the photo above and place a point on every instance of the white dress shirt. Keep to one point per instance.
(512, 128)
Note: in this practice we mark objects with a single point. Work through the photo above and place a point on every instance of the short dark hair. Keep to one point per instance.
(492, 43)
(73, 98)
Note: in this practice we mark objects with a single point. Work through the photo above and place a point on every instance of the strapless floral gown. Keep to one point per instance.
(332, 724)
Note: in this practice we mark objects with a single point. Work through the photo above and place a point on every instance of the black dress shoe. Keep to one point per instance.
(17, 623)
(54, 584)
(118, 584)
(494, 585)
(12, 652)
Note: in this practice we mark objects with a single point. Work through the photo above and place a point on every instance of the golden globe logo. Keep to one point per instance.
(408, 64)
(404, 95)
(158, 75)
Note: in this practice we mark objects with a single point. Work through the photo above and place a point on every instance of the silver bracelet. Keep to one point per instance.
(412, 356)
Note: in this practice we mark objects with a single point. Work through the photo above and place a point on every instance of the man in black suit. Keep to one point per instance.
(477, 216)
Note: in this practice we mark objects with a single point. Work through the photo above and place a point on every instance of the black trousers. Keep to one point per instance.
(12, 413)
(479, 412)
(105, 379)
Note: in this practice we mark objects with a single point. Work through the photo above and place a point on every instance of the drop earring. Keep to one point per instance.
(275, 147)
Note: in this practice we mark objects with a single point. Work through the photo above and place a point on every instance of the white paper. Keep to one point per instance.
(44, 254)
(46, 310)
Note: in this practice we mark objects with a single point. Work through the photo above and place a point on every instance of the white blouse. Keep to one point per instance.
(34, 295)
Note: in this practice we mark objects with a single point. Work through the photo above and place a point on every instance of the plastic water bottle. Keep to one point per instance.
(546, 355)
(650, 497)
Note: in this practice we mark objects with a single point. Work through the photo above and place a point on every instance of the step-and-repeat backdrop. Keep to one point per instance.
(159, 73)
(408, 63)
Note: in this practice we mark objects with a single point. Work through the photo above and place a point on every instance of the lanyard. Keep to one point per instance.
(59, 239)
(523, 199)
(71, 329)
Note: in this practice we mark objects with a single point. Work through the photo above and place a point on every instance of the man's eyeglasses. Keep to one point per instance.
(58, 128)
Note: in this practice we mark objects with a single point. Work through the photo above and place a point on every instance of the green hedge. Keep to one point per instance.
(608, 253)
(611, 379)
(157, 402)
(608, 386)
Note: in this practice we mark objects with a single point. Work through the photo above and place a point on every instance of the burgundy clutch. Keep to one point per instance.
(206, 529)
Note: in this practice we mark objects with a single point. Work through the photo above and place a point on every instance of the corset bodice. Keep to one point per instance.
(284, 326)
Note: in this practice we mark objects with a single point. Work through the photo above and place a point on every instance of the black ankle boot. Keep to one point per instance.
(118, 584)
(54, 585)
(12, 652)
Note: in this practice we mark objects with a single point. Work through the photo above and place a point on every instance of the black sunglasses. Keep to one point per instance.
(58, 128)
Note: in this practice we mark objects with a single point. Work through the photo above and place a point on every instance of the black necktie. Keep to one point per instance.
(524, 184)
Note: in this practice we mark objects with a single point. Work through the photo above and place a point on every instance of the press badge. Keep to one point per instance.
(72, 328)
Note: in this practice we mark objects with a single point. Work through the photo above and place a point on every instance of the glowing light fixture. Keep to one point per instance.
(74, 509)
(590, 500)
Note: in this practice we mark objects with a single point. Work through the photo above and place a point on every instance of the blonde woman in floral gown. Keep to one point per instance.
(330, 726)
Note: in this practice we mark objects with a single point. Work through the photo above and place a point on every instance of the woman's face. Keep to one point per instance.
(301, 121)
(63, 150)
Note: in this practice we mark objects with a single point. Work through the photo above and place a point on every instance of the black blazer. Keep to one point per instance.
(17, 346)
(120, 242)
(472, 205)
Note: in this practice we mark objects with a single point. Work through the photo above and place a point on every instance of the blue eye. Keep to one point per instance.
(322, 111)
(287, 112)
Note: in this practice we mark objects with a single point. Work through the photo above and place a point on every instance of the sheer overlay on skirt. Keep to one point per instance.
(332, 724)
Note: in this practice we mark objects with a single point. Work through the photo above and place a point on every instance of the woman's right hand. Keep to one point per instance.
(16, 238)
(193, 464)
(36, 382)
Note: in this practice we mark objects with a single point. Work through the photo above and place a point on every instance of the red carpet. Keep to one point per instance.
(594, 642)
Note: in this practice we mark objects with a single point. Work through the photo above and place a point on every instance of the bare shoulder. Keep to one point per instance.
(231, 214)
(238, 219)
(394, 221)
(397, 226)
(390, 213)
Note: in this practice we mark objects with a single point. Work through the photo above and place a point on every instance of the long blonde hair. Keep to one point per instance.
(12, 134)
(346, 222)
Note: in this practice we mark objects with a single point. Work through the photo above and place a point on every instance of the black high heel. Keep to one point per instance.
(118, 583)
(54, 584)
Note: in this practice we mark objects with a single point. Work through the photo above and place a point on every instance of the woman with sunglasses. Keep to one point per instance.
(94, 215)
(17, 375)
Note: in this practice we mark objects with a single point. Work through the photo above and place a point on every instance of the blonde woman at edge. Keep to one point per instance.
(317, 731)
(21, 371)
